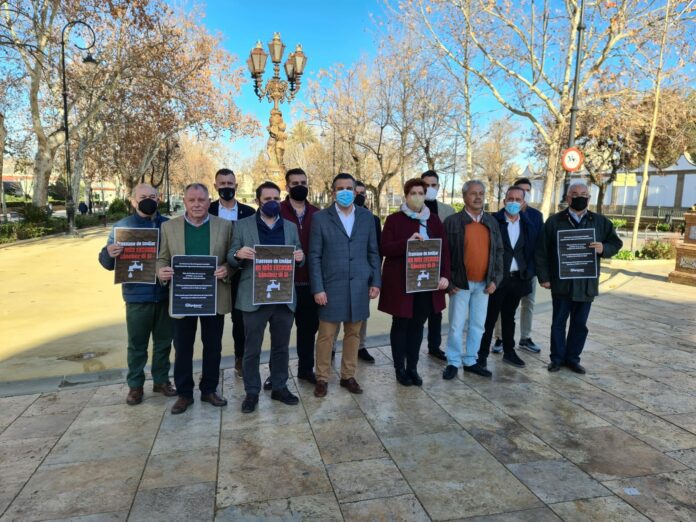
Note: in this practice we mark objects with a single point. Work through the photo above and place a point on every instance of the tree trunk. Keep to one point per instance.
(3, 137)
(602, 188)
(77, 170)
(43, 166)
(547, 205)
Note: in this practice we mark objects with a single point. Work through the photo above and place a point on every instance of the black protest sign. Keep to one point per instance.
(274, 274)
(193, 286)
(138, 259)
(576, 259)
(423, 265)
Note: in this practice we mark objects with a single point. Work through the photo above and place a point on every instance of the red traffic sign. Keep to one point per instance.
(572, 159)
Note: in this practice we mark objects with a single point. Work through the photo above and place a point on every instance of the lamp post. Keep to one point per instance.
(276, 90)
(69, 197)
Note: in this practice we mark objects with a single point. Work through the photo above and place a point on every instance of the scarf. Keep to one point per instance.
(423, 216)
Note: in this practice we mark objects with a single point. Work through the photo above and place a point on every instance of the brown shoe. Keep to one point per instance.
(135, 396)
(181, 405)
(164, 388)
(238, 366)
(351, 385)
(321, 388)
(214, 399)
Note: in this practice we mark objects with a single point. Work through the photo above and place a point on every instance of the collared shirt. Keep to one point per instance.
(207, 218)
(513, 228)
(577, 217)
(477, 219)
(230, 214)
(348, 221)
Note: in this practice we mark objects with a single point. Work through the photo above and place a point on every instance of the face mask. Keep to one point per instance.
(579, 203)
(360, 200)
(513, 208)
(345, 197)
(227, 193)
(416, 201)
(271, 208)
(299, 192)
(147, 206)
(431, 194)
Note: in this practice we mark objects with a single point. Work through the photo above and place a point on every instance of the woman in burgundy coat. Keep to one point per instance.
(409, 311)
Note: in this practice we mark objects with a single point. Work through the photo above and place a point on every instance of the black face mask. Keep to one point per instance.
(579, 203)
(227, 193)
(147, 206)
(359, 200)
(299, 192)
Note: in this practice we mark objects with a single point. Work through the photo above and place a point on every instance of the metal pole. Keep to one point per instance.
(454, 167)
(166, 166)
(69, 203)
(334, 150)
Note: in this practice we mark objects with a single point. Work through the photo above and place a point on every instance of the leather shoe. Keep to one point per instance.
(415, 378)
(403, 378)
(513, 359)
(285, 397)
(309, 377)
(135, 396)
(553, 367)
(321, 389)
(450, 372)
(478, 370)
(437, 354)
(238, 366)
(364, 355)
(351, 385)
(267, 384)
(249, 403)
(214, 399)
(181, 405)
(575, 367)
(165, 388)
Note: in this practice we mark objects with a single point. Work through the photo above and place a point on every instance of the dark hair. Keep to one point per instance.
(266, 185)
(359, 183)
(515, 187)
(342, 175)
(522, 181)
(429, 173)
(294, 172)
(415, 182)
(224, 172)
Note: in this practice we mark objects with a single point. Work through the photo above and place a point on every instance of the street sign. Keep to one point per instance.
(572, 159)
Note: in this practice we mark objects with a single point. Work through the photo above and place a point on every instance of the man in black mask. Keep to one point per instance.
(147, 305)
(227, 207)
(572, 298)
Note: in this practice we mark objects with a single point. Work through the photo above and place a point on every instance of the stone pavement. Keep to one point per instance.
(616, 444)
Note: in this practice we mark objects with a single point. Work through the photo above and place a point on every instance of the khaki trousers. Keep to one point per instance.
(325, 342)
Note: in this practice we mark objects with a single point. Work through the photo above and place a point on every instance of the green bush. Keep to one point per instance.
(658, 250)
(88, 220)
(458, 206)
(663, 227)
(33, 214)
(118, 206)
(619, 223)
(625, 255)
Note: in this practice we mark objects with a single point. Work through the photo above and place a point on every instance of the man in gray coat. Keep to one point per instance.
(266, 227)
(344, 274)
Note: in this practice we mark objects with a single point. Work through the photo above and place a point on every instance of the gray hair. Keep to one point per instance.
(140, 185)
(468, 184)
(578, 183)
(196, 186)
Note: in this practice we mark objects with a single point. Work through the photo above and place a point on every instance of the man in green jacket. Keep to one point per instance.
(572, 298)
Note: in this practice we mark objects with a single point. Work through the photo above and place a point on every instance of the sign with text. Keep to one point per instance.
(423, 265)
(274, 274)
(576, 259)
(138, 260)
(193, 289)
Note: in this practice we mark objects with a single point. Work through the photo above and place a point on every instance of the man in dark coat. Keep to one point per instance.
(572, 297)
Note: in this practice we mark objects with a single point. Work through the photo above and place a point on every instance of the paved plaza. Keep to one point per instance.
(616, 444)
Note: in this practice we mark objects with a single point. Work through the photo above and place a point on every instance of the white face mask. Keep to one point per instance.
(431, 194)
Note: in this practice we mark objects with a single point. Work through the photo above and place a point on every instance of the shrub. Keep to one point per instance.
(619, 223)
(458, 206)
(625, 255)
(118, 206)
(663, 227)
(88, 220)
(658, 250)
(33, 214)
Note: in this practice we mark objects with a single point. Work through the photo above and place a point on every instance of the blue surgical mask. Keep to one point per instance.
(513, 208)
(271, 208)
(345, 198)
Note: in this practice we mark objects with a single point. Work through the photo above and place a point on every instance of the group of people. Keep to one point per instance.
(489, 263)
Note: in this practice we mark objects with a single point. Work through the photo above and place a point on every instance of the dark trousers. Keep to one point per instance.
(237, 321)
(568, 348)
(407, 333)
(307, 321)
(280, 319)
(503, 302)
(184, 338)
(434, 331)
(142, 321)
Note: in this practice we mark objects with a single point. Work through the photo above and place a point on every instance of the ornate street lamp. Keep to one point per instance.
(69, 197)
(276, 90)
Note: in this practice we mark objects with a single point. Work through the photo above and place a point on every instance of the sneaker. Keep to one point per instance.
(478, 370)
(528, 344)
(513, 359)
(498, 346)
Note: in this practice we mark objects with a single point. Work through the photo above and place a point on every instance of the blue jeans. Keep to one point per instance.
(568, 348)
(471, 304)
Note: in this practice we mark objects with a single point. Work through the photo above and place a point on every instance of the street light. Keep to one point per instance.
(89, 60)
(276, 90)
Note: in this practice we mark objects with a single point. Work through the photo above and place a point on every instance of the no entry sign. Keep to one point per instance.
(572, 159)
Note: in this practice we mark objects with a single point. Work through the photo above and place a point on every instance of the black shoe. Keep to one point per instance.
(437, 354)
(483, 363)
(513, 359)
(267, 384)
(575, 367)
(553, 367)
(403, 378)
(284, 396)
(249, 403)
(415, 378)
(529, 345)
(364, 355)
(478, 370)
(498, 346)
(450, 372)
(309, 377)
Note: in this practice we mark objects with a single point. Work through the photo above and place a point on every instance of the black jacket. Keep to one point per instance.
(526, 243)
(242, 212)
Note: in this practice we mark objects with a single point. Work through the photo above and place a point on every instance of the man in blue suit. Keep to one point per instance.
(344, 273)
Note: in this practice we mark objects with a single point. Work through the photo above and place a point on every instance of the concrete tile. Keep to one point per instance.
(38, 426)
(13, 407)
(683, 420)
(651, 429)
(557, 480)
(530, 515)
(9, 488)
(685, 456)
(66, 401)
(267, 412)
(347, 440)
(190, 502)
(403, 509)
(314, 507)
(196, 429)
(598, 510)
(180, 468)
(367, 479)
(20, 457)
(115, 516)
